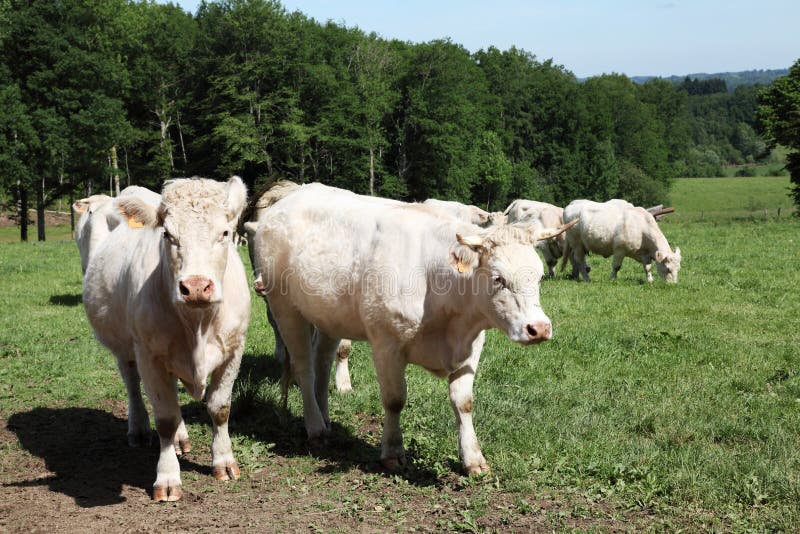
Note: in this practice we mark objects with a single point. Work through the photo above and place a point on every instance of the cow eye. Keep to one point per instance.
(224, 235)
(499, 280)
(170, 238)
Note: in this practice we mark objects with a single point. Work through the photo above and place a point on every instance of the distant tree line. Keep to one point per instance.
(100, 94)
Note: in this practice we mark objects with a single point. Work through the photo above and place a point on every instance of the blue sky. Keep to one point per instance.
(644, 37)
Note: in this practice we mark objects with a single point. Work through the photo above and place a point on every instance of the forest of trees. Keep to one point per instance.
(100, 92)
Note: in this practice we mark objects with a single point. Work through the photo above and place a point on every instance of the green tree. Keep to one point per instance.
(494, 174)
(779, 121)
(65, 59)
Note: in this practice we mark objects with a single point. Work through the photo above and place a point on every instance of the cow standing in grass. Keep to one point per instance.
(419, 285)
(171, 300)
(99, 217)
(546, 216)
(617, 228)
(257, 211)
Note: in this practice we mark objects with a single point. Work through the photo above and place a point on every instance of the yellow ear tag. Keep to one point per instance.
(461, 267)
(133, 223)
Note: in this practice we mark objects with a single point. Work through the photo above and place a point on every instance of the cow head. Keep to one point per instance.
(197, 218)
(495, 218)
(506, 272)
(669, 264)
(97, 220)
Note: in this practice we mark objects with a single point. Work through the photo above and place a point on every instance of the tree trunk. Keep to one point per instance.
(71, 212)
(115, 166)
(127, 169)
(23, 212)
(40, 210)
(372, 171)
(180, 136)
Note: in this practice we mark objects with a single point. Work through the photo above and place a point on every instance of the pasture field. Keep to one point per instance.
(719, 198)
(654, 407)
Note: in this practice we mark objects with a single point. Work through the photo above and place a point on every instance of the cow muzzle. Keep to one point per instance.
(196, 290)
(539, 331)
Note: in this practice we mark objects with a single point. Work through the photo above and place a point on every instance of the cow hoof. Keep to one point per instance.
(482, 469)
(167, 493)
(227, 472)
(344, 389)
(182, 446)
(140, 439)
(394, 464)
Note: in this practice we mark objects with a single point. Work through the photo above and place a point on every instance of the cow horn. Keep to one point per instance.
(547, 233)
(663, 211)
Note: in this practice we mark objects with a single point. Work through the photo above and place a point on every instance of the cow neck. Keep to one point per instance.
(659, 241)
(197, 323)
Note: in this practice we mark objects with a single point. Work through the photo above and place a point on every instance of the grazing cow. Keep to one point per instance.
(547, 216)
(258, 209)
(419, 285)
(98, 217)
(469, 213)
(170, 300)
(617, 228)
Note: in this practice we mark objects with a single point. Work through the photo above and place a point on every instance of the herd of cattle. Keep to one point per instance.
(165, 290)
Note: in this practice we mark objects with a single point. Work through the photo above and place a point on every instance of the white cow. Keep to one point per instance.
(467, 212)
(619, 229)
(420, 286)
(170, 300)
(98, 217)
(259, 208)
(547, 216)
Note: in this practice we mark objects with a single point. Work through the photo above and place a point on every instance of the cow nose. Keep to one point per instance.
(539, 331)
(196, 289)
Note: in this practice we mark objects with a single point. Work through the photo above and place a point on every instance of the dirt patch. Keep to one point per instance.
(69, 469)
(51, 218)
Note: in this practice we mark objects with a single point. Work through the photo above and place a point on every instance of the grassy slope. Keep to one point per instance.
(680, 401)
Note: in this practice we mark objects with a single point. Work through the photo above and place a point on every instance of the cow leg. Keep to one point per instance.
(647, 264)
(182, 443)
(342, 376)
(324, 353)
(551, 268)
(390, 370)
(461, 400)
(616, 263)
(218, 404)
(139, 432)
(297, 334)
(580, 262)
(280, 347)
(163, 394)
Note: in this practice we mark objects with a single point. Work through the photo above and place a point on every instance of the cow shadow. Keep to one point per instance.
(67, 300)
(88, 453)
(264, 419)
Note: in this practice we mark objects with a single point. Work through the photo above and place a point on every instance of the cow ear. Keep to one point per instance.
(678, 251)
(237, 198)
(466, 255)
(137, 212)
(548, 233)
(81, 206)
(474, 242)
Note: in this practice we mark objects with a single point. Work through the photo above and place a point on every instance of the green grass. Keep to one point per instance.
(731, 197)
(678, 402)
